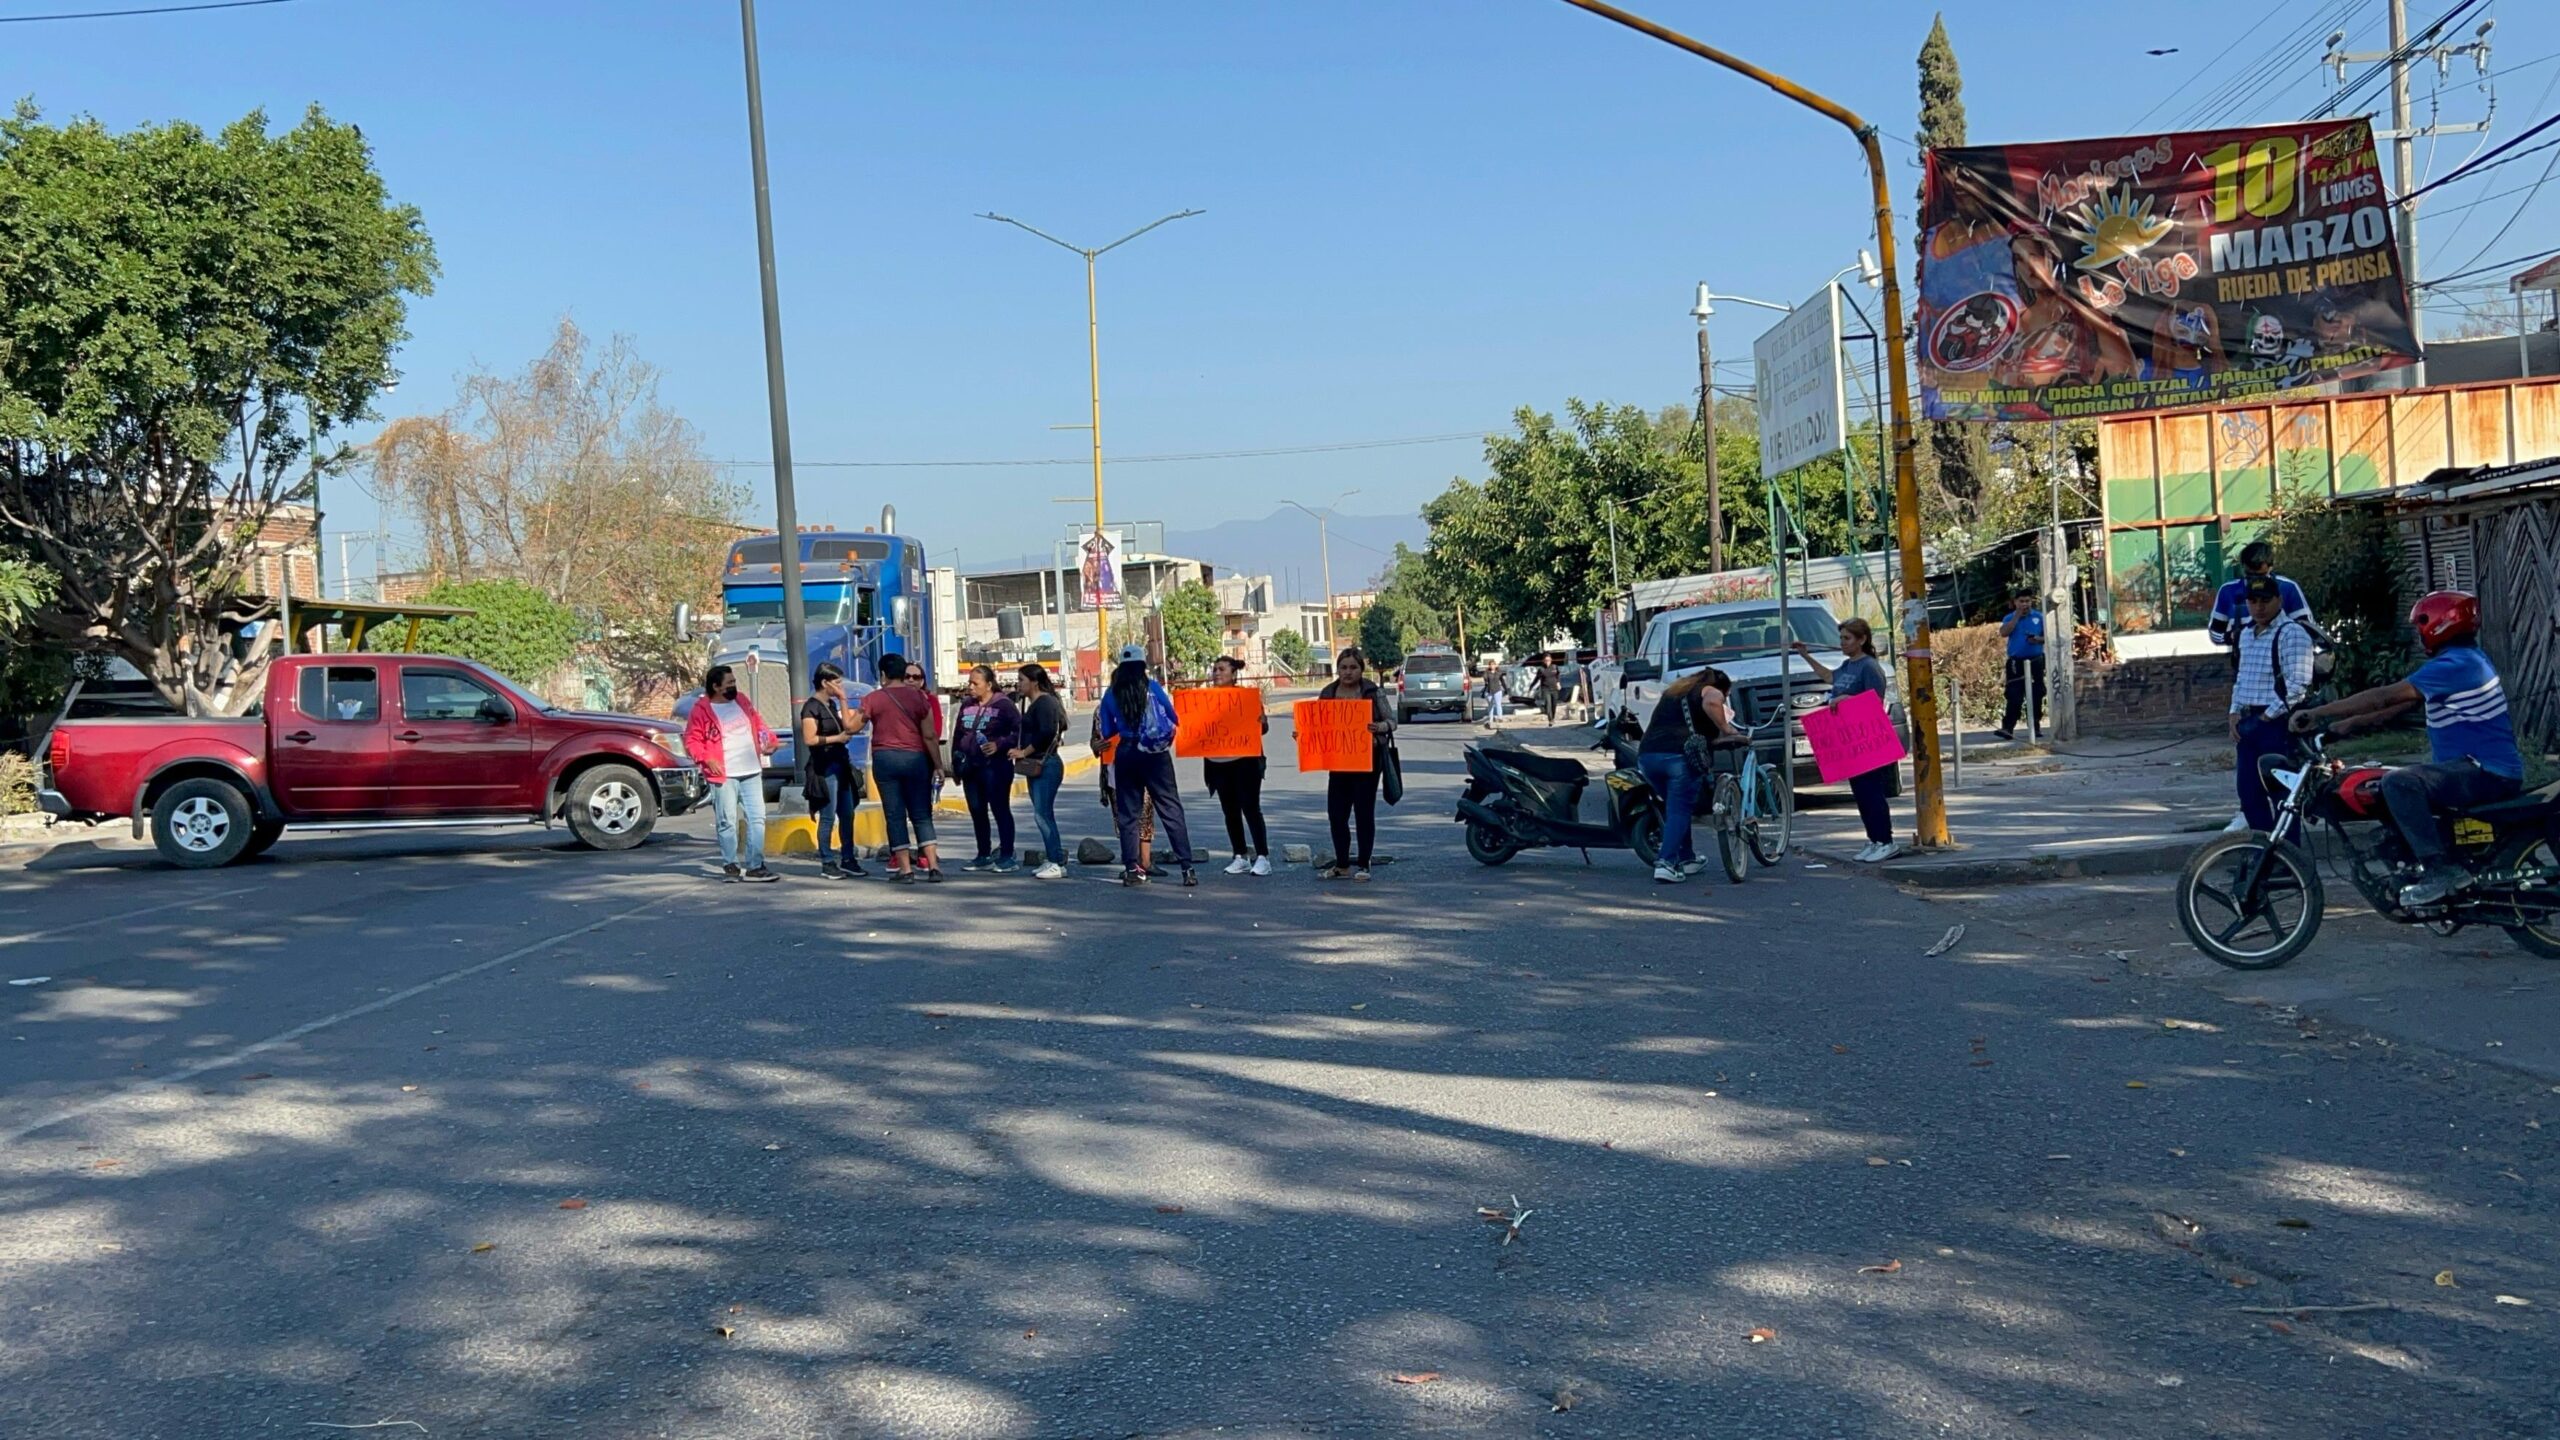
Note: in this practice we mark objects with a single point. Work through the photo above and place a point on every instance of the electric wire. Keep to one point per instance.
(1117, 459)
(2207, 68)
(2245, 93)
(145, 10)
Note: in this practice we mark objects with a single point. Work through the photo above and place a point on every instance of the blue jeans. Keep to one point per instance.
(906, 796)
(835, 814)
(989, 793)
(1044, 807)
(1671, 777)
(728, 797)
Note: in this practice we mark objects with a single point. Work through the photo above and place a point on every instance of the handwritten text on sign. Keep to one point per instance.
(1222, 722)
(1852, 737)
(1334, 734)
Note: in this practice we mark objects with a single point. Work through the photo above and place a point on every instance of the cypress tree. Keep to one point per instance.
(1962, 451)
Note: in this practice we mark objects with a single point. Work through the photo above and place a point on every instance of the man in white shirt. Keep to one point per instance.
(2275, 675)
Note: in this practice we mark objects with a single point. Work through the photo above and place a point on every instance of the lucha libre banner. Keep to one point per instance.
(2092, 277)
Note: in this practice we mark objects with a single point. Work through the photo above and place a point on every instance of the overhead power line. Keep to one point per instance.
(1123, 459)
(145, 10)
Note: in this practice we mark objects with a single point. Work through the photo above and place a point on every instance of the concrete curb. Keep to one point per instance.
(1955, 870)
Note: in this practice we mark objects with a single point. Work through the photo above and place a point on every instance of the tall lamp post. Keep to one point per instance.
(786, 506)
(1928, 792)
(1324, 551)
(1093, 360)
(1704, 310)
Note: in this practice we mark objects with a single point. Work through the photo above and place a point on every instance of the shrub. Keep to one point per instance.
(2347, 561)
(17, 784)
(1976, 655)
(514, 629)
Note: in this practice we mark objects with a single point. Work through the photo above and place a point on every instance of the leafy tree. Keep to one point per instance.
(25, 587)
(1289, 649)
(1958, 453)
(184, 320)
(571, 477)
(514, 629)
(1193, 627)
(1405, 612)
(1529, 551)
(2347, 560)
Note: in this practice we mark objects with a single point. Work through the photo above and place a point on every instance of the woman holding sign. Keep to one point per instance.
(1138, 714)
(1860, 673)
(1237, 782)
(1352, 795)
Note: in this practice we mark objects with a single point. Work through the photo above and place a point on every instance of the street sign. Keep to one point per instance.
(1803, 404)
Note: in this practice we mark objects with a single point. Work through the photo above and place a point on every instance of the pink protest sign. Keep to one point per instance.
(1852, 737)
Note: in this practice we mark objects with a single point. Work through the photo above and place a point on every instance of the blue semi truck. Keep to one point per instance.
(865, 595)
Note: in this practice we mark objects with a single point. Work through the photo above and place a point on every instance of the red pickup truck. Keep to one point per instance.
(369, 742)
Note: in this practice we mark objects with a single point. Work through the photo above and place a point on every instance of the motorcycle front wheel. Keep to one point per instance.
(1644, 834)
(2244, 935)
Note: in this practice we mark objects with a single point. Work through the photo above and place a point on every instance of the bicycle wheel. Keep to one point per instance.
(1773, 816)
(1730, 846)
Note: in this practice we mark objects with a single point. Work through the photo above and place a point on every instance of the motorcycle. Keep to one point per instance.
(2252, 901)
(1518, 800)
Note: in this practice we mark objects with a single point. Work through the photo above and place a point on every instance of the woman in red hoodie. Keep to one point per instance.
(729, 740)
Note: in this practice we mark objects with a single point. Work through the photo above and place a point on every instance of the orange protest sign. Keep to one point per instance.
(1219, 722)
(1110, 748)
(1334, 734)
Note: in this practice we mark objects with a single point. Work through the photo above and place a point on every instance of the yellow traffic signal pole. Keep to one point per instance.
(1920, 690)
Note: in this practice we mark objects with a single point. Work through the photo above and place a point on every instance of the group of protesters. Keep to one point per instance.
(895, 732)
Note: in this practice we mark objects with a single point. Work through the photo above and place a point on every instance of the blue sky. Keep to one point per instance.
(1421, 213)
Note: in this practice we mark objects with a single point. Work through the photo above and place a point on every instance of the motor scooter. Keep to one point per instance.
(1517, 799)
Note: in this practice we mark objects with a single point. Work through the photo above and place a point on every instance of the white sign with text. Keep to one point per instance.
(1804, 405)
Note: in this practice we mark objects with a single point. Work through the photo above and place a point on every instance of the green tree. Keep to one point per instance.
(514, 629)
(1957, 453)
(25, 587)
(184, 319)
(1289, 649)
(1193, 628)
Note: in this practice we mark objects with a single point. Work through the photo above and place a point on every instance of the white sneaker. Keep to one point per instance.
(1667, 875)
(1873, 853)
(1051, 871)
(2238, 822)
(1239, 865)
(1261, 865)
(1695, 865)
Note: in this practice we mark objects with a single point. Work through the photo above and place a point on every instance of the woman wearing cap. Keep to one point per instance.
(1237, 782)
(1138, 714)
(1351, 795)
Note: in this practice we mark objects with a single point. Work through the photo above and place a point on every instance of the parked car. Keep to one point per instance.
(1743, 639)
(348, 742)
(1432, 682)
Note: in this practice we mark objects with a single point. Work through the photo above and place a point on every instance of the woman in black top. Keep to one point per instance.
(1044, 729)
(1237, 782)
(1351, 795)
(984, 735)
(833, 787)
(1690, 705)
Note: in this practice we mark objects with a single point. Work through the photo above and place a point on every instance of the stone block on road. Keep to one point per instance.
(1297, 854)
(1090, 851)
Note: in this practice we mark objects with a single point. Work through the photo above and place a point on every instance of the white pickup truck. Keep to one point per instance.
(1743, 639)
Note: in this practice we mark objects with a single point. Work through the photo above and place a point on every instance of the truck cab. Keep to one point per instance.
(1746, 640)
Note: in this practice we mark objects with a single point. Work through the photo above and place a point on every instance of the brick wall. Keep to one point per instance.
(2189, 692)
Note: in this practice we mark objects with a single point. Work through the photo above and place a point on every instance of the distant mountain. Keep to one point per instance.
(1283, 546)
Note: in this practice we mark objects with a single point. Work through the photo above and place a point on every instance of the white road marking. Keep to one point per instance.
(122, 916)
(186, 1073)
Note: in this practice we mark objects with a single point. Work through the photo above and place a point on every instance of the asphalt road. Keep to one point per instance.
(295, 1144)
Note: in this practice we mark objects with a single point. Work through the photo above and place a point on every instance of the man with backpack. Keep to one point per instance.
(2231, 615)
(2275, 674)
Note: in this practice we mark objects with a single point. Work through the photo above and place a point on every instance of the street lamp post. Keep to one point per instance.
(786, 506)
(1701, 312)
(1324, 551)
(1927, 790)
(1093, 361)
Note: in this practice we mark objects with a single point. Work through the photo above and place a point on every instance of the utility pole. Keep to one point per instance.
(1707, 430)
(786, 507)
(2403, 135)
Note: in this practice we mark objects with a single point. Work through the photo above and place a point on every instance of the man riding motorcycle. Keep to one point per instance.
(2471, 739)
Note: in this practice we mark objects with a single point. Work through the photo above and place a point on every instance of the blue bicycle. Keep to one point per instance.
(1750, 804)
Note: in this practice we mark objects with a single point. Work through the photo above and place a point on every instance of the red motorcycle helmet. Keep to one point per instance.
(2445, 617)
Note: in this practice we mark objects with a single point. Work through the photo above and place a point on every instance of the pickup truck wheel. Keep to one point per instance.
(262, 835)
(201, 824)
(612, 808)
